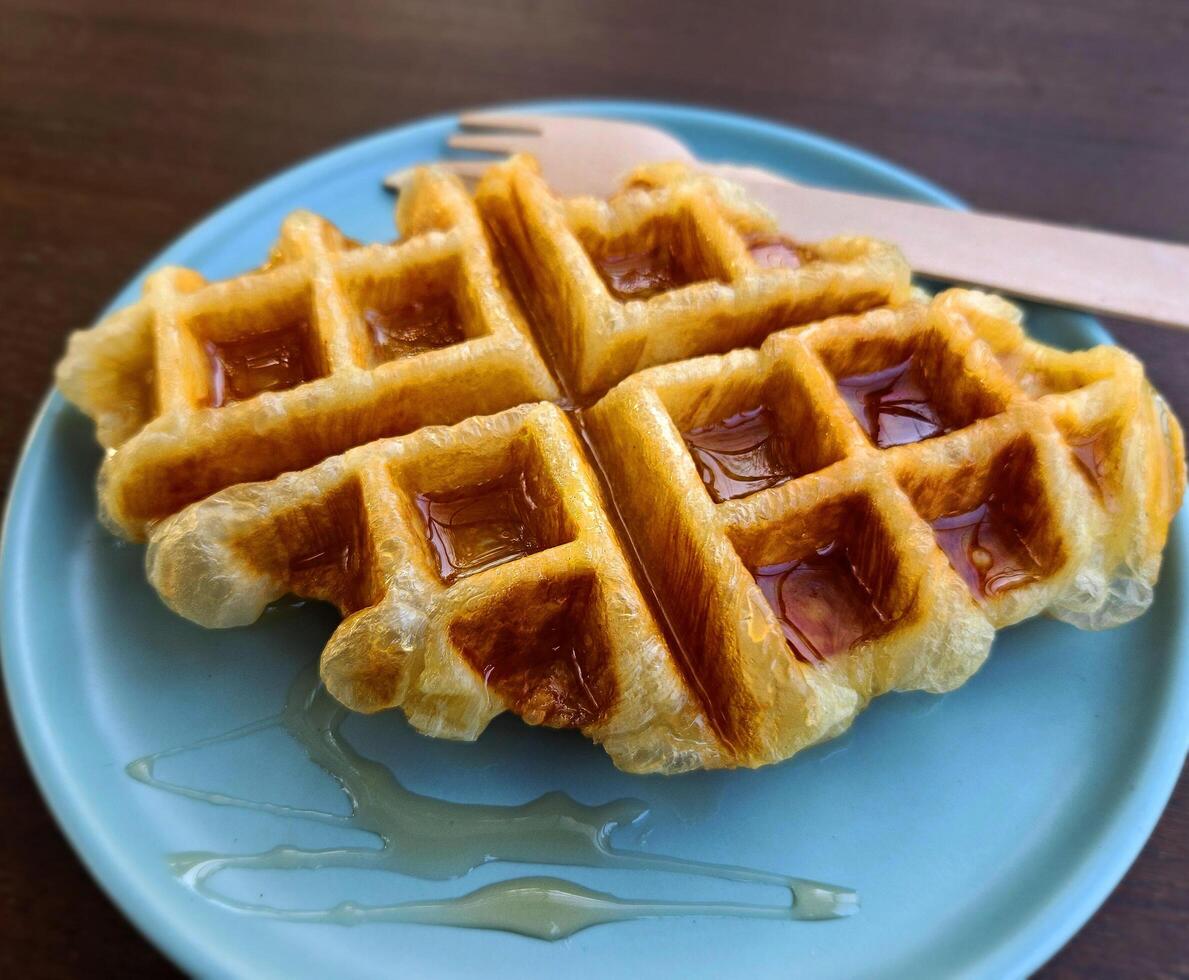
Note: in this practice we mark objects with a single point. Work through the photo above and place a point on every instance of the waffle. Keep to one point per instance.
(782, 483)
(674, 266)
(854, 507)
(329, 345)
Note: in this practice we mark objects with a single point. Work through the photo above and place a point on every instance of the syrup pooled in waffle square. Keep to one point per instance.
(478, 572)
(677, 264)
(329, 345)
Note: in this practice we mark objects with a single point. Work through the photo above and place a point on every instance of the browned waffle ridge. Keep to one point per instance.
(532, 607)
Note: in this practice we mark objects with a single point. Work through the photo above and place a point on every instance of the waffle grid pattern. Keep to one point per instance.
(928, 625)
(914, 624)
(672, 267)
(542, 615)
(329, 345)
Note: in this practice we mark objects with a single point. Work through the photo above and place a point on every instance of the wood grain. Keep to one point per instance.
(122, 123)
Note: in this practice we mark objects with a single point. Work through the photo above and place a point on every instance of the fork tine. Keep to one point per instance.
(494, 120)
(466, 169)
(492, 142)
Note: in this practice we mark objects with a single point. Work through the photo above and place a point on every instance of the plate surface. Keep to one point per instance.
(981, 829)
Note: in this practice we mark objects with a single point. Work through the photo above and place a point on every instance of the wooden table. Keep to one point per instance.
(122, 123)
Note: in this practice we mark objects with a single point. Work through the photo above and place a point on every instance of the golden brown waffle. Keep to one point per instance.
(852, 508)
(330, 345)
(675, 265)
(821, 514)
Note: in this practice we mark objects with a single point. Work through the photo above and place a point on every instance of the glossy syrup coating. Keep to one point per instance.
(925, 500)
(986, 549)
(893, 406)
(273, 361)
(482, 574)
(479, 527)
(821, 602)
(645, 273)
(412, 328)
(330, 344)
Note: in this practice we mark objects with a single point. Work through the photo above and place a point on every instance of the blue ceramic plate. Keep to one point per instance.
(981, 828)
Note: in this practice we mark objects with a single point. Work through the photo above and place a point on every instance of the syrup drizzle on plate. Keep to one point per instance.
(435, 839)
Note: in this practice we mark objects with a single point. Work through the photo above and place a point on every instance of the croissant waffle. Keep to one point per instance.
(701, 562)
(1125, 441)
(329, 345)
(200, 386)
(855, 506)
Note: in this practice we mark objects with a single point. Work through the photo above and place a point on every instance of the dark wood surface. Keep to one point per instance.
(122, 123)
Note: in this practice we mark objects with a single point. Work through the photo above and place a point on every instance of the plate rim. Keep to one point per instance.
(1075, 899)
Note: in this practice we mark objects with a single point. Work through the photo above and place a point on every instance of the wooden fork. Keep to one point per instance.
(1133, 278)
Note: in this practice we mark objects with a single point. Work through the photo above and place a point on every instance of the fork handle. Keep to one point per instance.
(1117, 275)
